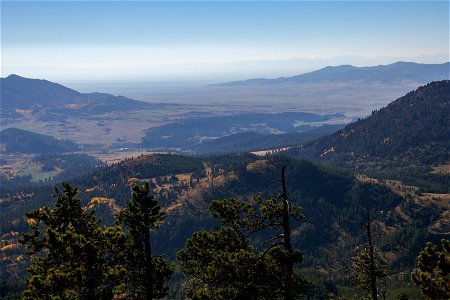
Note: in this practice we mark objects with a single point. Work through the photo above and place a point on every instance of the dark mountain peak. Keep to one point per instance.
(15, 77)
(402, 63)
(337, 68)
(35, 87)
(39, 96)
(12, 76)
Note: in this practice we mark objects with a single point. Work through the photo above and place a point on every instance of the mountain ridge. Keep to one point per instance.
(391, 74)
(26, 97)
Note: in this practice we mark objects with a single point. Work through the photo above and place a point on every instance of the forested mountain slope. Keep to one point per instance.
(406, 140)
(418, 120)
(332, 202)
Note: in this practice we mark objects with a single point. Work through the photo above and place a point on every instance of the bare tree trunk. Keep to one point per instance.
(287, 237)
(373, 276)
(148, 263)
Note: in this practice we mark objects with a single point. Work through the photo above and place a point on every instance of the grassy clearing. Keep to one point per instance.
(118, 156)
(35, 170)
(442, 169)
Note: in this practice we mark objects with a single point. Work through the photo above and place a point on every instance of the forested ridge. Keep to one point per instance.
(332, 202)
(403, 141)
(418, 121)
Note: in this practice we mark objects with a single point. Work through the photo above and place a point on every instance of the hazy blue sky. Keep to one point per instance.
(99, 35)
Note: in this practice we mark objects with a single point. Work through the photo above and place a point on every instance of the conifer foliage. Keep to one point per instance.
(228, 264)
(72, 254)
(146, 273)
(367, 271)
(75, 258)
(433, 274)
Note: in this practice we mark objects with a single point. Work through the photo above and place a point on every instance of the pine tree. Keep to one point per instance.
(367, 273)
(433, 274)
(145, 273)
(228, 263)
(72, 256)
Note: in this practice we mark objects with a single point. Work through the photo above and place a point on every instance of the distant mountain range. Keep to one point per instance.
(14, 140)
(387, 74)
(25, 97)
(418, 121)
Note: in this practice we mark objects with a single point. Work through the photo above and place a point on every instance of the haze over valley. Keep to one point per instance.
(105, 122)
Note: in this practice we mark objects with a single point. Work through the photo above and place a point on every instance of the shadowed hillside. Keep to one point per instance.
(14, 140)
(27, 98)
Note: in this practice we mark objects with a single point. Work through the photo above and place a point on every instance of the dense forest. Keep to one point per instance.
(332, 201)
(402, 141)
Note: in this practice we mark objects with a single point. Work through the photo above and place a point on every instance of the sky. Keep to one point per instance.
(179, 40)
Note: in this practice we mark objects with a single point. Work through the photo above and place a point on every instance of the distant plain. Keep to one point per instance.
(353, 100)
